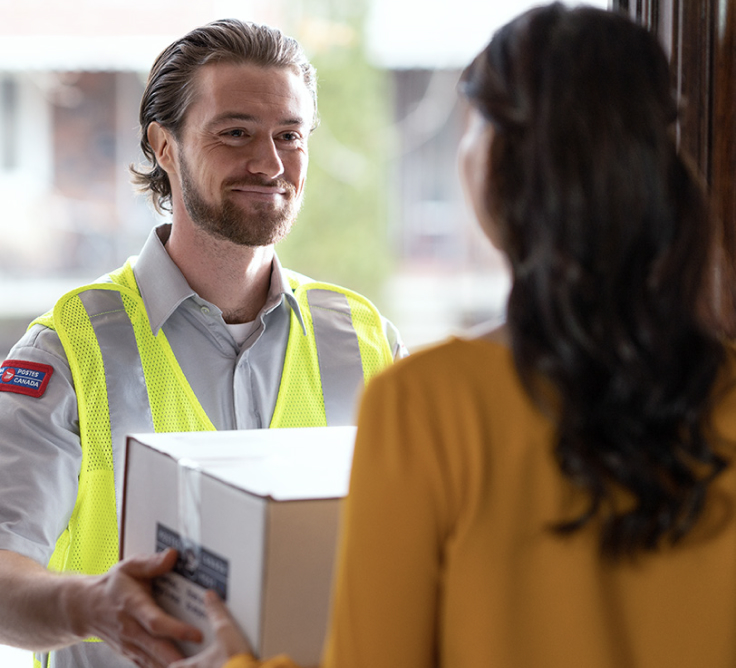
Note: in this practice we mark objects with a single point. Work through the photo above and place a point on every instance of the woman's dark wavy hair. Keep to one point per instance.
(171, 88)
(609, 240)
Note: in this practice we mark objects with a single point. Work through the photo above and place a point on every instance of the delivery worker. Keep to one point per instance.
(203, 330)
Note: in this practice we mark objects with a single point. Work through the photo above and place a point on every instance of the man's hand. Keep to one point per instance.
(118, 607)
(229, 639)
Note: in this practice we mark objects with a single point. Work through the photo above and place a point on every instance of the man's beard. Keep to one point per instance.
(262, 226)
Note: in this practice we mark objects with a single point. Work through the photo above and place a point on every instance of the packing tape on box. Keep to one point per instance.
(190, 510)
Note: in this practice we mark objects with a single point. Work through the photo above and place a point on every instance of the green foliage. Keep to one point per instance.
(340, 235)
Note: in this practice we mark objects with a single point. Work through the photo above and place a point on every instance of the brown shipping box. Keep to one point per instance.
(254, 515)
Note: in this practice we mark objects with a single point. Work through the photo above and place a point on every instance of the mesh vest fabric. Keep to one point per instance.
(89, 544)
(300, 402)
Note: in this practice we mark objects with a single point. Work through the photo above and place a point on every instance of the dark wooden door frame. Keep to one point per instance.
(700, 39)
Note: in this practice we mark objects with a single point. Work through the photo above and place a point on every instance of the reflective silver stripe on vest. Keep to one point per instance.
(127, 395)
(338, 352)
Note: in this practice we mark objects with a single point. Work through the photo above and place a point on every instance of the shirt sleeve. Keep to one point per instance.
(40, 453)
(398, 349)
(385, 603)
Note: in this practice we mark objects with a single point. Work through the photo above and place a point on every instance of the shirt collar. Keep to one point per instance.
(281, 288)
(163, 287)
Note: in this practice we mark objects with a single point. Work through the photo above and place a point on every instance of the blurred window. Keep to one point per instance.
(9, 122)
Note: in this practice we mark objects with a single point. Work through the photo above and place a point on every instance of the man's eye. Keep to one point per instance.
(237, 133)
(290, 136)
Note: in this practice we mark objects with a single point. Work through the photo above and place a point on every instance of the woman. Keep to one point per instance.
(558, 491)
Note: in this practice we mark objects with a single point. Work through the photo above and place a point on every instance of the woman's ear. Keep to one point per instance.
(164, 147)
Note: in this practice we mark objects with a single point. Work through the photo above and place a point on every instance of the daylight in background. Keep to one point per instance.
(383, 212)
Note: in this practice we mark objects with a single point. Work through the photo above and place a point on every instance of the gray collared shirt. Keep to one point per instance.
(40, 453)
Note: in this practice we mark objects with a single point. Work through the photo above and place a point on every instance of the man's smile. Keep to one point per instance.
(260, 192)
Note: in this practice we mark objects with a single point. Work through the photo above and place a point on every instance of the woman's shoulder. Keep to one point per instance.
(474, 352)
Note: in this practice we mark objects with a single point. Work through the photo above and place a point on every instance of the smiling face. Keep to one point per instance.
(241, 158)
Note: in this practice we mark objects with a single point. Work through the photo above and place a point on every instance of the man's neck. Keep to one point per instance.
(234, 278)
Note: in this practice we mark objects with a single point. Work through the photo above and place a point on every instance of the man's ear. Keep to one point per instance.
(163, 145)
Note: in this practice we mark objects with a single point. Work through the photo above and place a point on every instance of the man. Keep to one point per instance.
(204, 330)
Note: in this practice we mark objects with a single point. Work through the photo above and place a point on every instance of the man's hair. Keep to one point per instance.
(171, 86)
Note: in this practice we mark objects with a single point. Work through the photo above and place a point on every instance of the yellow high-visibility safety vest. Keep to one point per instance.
(345, 345)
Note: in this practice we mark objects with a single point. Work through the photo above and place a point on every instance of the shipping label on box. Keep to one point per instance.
(254, 515)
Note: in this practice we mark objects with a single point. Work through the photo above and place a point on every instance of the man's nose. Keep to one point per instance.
(264, 158)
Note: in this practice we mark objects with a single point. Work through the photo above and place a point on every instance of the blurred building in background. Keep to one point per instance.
(384, 211)
(71, 78)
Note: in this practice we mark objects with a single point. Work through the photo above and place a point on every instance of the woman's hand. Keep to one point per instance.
(229, 640)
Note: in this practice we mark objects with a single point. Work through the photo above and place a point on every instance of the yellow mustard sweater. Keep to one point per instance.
(447, 560)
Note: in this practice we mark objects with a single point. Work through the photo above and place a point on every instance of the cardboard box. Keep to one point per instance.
(254, 515)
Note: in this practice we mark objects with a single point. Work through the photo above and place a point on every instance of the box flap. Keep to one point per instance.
(281, 464)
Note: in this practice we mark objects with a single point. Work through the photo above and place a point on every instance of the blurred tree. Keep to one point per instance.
(341, 234)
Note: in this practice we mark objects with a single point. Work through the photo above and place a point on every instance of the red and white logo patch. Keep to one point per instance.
(25, 377)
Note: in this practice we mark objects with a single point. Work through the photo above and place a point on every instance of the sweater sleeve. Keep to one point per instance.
(386, 609)
(248, 661)
(385, 605)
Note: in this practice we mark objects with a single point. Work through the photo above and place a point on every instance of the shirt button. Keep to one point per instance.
(205, 310)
